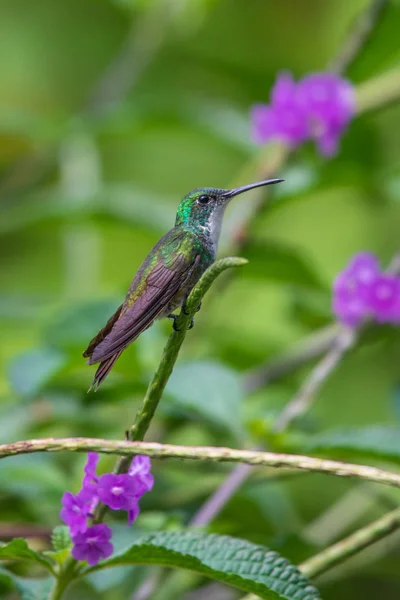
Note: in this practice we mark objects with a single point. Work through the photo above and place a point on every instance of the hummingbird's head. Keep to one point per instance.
(203, 208)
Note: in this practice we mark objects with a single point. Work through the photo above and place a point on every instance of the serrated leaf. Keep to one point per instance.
(18, 549)
(210, 390)
(29, 589)
(382, 441)
(29, 372)
(239, 563)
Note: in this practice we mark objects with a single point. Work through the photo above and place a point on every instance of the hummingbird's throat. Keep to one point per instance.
(211, 228)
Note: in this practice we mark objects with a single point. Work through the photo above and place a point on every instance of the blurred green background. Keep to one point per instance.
(110, 111)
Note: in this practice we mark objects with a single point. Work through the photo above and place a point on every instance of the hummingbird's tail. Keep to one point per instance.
(102, 371)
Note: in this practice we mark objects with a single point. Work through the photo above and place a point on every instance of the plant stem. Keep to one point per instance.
(58, 590)
(303, 352)
(359, 36)
(65, 577)
(174, 343)
(351, 545)
(344, 340)
(170, 354)
(203, 453)
(370, 94)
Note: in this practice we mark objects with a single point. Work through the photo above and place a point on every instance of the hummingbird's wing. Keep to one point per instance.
(102, 333)
(162, 275)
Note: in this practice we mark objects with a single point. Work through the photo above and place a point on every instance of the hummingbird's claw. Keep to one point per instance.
(185, 312)
(174, 318)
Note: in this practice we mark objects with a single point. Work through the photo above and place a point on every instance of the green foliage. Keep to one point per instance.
(60, 538)
(31, 371)
(18, 549)
(75, 325)
(28, 589)
(380, 441)
(239, 563)
(210, 390)
(280, 263)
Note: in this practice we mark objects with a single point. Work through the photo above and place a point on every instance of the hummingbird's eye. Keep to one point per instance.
(203, 199)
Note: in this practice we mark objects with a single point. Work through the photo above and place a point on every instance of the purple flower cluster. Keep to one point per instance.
(118, 492)
(319, 107)
(362, 290)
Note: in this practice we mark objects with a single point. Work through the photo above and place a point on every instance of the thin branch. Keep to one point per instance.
(359, 36)
(306, 350)
(305, 397)
(351, 545)
(140, 46)
(370, 93)
(213, 505)
(203, 453)
(337, 342)
(330, 341)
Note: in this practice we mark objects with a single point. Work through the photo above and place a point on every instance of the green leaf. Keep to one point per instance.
(18, 549)
(29, 589)
(30, 475)
(280, 262)
(239, 563)
(61, 538)
(76, 325)
(29, 372)
(382, 441)
(210, 390)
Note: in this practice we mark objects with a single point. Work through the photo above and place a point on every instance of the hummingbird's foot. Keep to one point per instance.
(174, 318)
(185, 312)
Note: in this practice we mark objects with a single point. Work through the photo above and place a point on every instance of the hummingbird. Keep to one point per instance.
(167, 275)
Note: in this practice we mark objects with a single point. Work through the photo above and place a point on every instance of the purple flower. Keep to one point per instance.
(93, 544)
(361, 290)
(283, 119)
(385, 298)
(123, 492)
(119, 492)
(319, 107)
(329, 102)
(76, 509)
(133, 512)
(140, 470)
(348, 303)
(90, 469)
(364, 267)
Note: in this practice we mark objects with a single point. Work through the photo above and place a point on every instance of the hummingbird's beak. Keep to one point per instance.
(250, 186)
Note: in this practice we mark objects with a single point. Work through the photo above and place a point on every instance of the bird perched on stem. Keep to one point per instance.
(168, 274)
